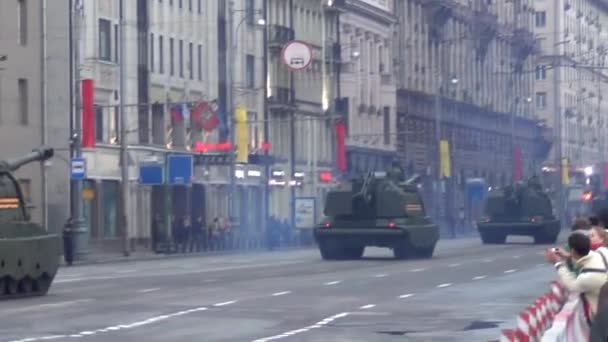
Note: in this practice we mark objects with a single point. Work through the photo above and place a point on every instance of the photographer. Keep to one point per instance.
(592, 272)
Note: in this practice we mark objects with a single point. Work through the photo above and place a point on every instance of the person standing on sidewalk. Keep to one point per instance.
(68, 243)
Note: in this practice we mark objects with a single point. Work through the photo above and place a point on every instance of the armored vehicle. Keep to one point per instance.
(378, 210)
(522, 208)
(29, 256)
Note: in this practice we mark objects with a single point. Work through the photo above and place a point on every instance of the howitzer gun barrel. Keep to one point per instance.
(39, 154)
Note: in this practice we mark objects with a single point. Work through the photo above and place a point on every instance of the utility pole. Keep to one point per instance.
(558, 117)
(230, 101)
(80, 242)
(124, 160)
(437, 109)
(266, 118)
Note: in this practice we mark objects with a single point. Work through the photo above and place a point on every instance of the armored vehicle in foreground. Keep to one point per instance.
(522, 208)
(29, 256)
(378, 210)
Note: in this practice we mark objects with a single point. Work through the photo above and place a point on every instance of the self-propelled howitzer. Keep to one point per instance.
(376, 210)
(522, 208)
(29, 255)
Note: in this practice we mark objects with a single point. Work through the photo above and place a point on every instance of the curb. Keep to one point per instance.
(153, 257)
(538, 317)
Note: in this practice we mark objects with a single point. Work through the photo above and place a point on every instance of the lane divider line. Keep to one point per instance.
(224, 303)
(510, 271)
(333, 282)
(479, 277)
(149, 290)
(280, 293)
(317, 325)
(368, 306)
(444, 285)
(407, 295)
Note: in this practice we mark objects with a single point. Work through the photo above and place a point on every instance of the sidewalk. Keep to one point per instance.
(109, 258)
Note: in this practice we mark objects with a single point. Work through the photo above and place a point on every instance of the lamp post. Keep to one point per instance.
(231, 44)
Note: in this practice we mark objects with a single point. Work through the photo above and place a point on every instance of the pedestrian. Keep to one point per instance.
(157, 231)
(197, 232)
(68, 244)
(592, 273)
(186, 233)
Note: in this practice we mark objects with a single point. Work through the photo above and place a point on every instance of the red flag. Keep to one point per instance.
(517, 163)
(176, 114)
(340, 146)
(196, 114)
(88, 113)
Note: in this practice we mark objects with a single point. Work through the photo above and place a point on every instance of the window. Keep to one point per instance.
(105, 40)
(387, 125)
(23, 101)
(250, 70)
(190, 5)
(161, 55)
(99, 123)
(181, 58)
(116, 40)
(191, 60)
(151, 52)
(250, 11)
(171, 57)
(199, 7)
(541, 100)
(541, 19)
(541, 72)
(22, 21)
(26, 189)
(200, 62)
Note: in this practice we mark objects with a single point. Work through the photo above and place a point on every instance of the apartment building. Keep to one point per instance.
(34, 101)
(367, 82)
(571, 77)
(466, 77)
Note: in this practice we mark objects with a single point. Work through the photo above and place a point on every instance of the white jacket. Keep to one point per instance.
(588, 283)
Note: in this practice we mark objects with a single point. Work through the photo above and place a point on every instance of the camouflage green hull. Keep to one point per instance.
(345, 242)
(29, 259)
(497, 232)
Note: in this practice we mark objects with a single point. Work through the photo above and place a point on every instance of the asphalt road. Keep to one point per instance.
(467, 292)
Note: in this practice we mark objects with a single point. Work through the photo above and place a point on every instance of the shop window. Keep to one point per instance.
(110, 201)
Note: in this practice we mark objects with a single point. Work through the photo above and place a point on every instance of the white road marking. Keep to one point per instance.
(444, 285)
(479, 277)
(305, 329)
(380, 275)
(209, 280)
(281, 293)
(125, 271)
(195, 271)
(454, 265)
(51, 305)
(510, 271)
(407, 295)
(488, 260)
(225, 303)
(333, 282)
(149, 290)
(516, 256)
(418, 270)
(368, 306)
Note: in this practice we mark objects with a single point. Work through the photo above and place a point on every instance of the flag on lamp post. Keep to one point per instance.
(242, 139)
(444, 154)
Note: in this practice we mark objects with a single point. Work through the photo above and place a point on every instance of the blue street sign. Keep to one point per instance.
(78, 168)
(179, 168)
(151, 174)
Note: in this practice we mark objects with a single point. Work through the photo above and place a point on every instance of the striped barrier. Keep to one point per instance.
(538, 317)
(570, 324)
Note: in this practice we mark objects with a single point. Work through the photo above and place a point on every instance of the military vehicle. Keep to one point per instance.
(29, 256)
(377, 210)
(522, 208)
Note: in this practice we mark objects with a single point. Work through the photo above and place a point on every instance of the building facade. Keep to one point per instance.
(367, 83)
(34, 101)
(464, 77)
(571, 77)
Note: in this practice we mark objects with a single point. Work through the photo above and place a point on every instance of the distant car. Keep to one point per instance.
(375, 211)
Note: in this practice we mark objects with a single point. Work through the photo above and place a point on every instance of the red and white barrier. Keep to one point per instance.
(570, 324)
(538, 317)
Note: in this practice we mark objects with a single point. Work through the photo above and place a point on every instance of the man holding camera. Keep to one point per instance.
(591, 270)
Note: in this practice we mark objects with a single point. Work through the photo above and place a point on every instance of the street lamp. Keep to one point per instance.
(231, 43)
(454, 80)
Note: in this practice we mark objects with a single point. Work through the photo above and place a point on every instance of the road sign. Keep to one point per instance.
(179, 169)
(297, 55)
(79, 168)
(151, 174)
